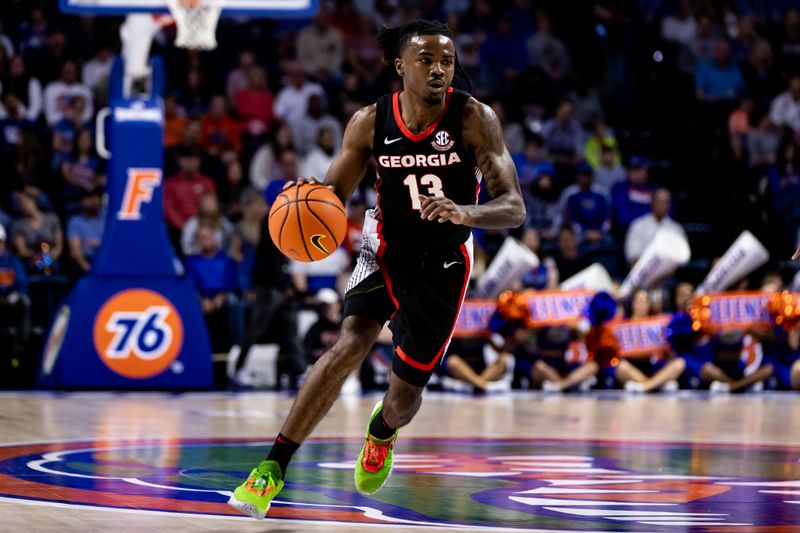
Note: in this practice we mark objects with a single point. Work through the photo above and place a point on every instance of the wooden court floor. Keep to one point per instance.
(514, 461)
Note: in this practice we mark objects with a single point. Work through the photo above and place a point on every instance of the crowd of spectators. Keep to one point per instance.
(622, 116)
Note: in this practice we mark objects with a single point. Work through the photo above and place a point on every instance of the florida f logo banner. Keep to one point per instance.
(138, 190)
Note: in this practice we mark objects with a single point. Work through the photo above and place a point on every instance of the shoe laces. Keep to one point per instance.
(375, 454)
(260, 483)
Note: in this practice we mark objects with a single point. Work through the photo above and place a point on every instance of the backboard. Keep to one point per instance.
(250, 8)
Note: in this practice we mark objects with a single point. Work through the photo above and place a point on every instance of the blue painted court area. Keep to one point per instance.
(555, 484)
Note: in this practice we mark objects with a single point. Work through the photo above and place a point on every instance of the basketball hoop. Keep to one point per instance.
(196, 21)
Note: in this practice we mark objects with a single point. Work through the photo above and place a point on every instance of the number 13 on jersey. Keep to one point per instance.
(431, 181)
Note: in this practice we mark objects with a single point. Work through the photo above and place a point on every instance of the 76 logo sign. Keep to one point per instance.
(145, 335)
(138, 333)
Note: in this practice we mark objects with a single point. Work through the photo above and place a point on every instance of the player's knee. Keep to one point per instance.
(540, 366)
(678, 364)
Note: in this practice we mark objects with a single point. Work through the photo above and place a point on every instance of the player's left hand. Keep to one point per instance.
(796, 254)
(441, 208)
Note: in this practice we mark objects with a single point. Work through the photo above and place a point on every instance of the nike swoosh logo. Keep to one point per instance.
(387, 141)
(315, 242)
(451, 263)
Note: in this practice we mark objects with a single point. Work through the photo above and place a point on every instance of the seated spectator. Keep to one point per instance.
(288, 166)
(568, 260)
(564, 363)
(601, 138)
(238, 77)
(248, 233)
(513, 134)
(324, 333)
(542, 203)
(60, 93)
(545, 275)
(96, 71)
(254, 104)
(643, 229)
(747, 40)
(33, 32)
(26, 89)
(264, 164)
(761, 77)
(291, 103)
(37, 236)
(528, 162)
(174, 121)
(13, 124)
(194, 95)
(719, 80)
(14, 302)
(214, 275)
(466, 361)
(220, 131)
(700, 47)
(610, 172)
(785, 109)
(762, 143)
(306, 130)
(65, 133)
(82, 171)
(320, 47)
(679, 27)
(85, 231)
(586, 206)
(656, 371)
(483, 79)
(230, 190)
(563, 136)
(182, 192)
(208, 216)
(546, 51)
(736, 363)
(319, 159)
(496, 46)
(631, 199)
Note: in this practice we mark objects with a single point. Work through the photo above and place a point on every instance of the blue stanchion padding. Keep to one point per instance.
(134, 321)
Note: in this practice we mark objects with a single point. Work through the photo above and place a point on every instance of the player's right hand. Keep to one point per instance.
(301, 180)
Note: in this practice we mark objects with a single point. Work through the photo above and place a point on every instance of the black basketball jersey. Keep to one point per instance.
(434, 162)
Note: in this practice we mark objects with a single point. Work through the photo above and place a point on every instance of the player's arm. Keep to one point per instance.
(484, 134)
(349, 166)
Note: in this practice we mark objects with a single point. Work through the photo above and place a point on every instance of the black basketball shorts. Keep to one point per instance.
(419, 292)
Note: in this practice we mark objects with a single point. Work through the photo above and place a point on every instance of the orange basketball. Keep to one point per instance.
(307, 222)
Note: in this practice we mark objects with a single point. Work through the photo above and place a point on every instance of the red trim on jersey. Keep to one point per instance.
(386, 279)
(405, 357)
(398, 117)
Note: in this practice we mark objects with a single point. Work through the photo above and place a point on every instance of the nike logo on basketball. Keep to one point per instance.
(315, 242)
(387, 141)
(451, 263)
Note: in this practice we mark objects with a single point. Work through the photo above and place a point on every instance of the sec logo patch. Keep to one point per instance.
(138, 333)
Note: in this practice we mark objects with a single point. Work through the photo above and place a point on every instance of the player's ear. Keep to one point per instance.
(398, 66)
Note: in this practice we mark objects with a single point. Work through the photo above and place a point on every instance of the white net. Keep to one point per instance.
(196, 21)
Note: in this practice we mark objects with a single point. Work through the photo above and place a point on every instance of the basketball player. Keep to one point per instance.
(431, 144)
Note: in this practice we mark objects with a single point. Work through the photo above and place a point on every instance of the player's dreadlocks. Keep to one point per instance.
(391, 39)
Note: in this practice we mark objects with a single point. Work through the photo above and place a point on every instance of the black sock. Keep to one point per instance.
(379, 428)
(282, 452)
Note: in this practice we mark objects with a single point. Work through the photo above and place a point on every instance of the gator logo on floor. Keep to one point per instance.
(544, 484)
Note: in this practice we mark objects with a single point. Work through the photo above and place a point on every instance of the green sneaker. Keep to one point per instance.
(254, 496)
(375, 460)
